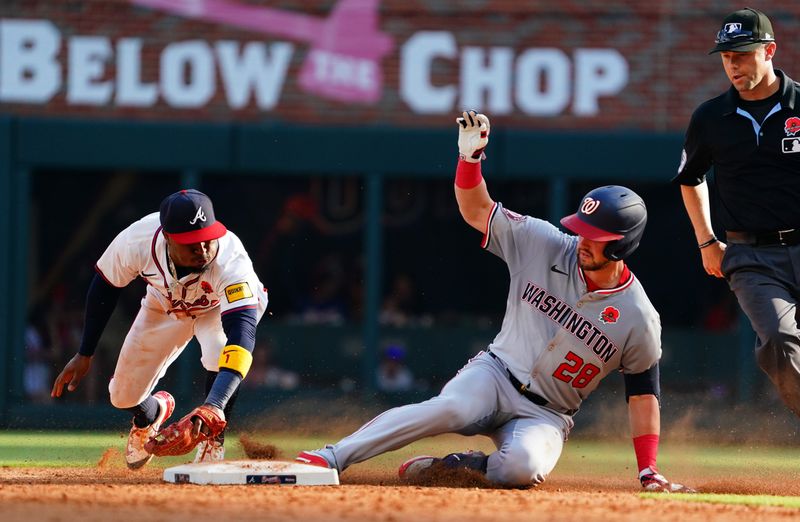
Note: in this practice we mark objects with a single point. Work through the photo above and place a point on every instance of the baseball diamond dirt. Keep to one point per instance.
(58, 475)
(106, 493)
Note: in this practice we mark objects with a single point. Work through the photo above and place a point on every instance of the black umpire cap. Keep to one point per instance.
(743, 31)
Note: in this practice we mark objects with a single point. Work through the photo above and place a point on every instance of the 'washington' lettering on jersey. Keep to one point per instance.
(573, 322)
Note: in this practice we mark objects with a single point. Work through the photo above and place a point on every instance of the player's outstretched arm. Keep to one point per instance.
(472, 195)
(101, 299)
(208, 420)
(645, 418)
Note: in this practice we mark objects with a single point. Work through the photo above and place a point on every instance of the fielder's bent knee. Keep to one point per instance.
(122, 399)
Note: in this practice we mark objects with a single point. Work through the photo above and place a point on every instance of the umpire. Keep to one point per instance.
(751, 136)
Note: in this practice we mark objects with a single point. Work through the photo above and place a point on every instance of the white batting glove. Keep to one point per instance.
(654, 481)
(473, 136)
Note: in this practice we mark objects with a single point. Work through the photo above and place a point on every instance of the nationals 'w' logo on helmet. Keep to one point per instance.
(613, 214)
(609, 315)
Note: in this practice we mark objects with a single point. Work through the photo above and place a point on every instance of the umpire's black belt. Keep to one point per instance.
(533, 397)
(789, 237)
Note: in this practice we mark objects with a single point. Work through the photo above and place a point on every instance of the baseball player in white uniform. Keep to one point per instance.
(574, 314)
(200, 283)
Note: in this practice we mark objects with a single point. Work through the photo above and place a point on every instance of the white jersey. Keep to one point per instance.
(558, 338)
(228, 282)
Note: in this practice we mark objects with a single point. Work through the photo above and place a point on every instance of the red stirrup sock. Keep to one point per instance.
(646, 448)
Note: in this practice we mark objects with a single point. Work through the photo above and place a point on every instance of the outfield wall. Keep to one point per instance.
(324, 131)
(74, 183)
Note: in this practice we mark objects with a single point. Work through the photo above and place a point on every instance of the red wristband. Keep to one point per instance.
(468, 175)
(646, 448)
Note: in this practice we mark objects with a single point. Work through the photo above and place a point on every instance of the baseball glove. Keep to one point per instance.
(203, 423)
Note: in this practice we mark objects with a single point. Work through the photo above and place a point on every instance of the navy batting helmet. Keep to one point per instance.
(612, 213)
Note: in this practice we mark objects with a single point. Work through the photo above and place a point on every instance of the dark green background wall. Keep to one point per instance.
(563, 165)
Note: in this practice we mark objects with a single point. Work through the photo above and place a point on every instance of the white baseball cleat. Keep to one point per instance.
(209, 451)
(652, 480)
(135, 454)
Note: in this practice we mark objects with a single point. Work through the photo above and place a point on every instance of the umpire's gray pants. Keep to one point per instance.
(766, 281)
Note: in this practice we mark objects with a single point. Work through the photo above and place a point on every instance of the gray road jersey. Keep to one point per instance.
(556, 337)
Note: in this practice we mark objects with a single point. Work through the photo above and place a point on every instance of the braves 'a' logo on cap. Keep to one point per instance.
(200, 215)
(589, 205)
(609, 315)
(792, 126)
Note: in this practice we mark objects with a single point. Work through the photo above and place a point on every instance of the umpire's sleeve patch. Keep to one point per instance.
(237, 292)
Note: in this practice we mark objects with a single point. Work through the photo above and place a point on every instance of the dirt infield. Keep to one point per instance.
(112, 493)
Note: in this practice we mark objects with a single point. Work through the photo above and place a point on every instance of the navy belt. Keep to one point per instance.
(789, 237)
(533, 397)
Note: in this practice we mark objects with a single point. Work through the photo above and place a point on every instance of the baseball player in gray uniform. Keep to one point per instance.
(574, 314)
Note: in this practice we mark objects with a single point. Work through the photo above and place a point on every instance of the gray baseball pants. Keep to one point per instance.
(766, 281)
(478, 400)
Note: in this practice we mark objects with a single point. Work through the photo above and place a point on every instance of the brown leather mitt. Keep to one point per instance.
(202, 423)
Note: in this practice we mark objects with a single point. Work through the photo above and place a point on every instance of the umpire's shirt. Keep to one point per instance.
(754, 148)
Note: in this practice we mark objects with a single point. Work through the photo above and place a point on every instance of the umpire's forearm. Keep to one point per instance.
(695, 199)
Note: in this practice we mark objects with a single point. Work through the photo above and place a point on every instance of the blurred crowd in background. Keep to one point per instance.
(304, 236)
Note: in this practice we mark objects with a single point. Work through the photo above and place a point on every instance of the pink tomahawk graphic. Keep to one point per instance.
(343, 63)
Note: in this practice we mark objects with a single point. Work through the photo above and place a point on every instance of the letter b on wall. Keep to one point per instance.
(29, 69)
